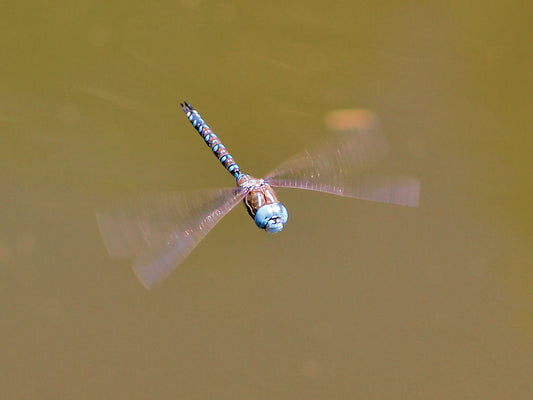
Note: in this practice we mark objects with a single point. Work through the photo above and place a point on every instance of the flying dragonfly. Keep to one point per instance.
(158, 232)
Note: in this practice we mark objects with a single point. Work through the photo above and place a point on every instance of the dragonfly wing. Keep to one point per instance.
(400, 190)
(159, 231)
(349, 164)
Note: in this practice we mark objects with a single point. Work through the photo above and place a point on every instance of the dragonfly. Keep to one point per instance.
(159, 231)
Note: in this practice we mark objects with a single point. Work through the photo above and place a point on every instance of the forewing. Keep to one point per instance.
(160, 230)
(348, 164)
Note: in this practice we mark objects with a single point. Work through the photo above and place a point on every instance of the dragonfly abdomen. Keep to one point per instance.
(211, 139)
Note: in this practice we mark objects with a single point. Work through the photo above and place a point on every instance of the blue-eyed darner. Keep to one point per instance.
(159, 231)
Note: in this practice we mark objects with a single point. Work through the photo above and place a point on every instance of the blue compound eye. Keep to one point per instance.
(272, 217)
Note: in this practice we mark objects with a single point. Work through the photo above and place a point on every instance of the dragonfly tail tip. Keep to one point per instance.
(186, 107)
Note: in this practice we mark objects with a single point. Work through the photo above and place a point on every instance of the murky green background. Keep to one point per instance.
(354, 300)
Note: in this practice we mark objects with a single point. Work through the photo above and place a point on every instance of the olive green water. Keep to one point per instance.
(354, 300)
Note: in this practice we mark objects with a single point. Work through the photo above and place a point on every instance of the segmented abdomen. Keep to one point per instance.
(211, 139)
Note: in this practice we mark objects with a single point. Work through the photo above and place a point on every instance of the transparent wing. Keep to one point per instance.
(159, 231)
(348, 164)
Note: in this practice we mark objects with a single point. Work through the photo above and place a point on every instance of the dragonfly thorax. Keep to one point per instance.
(262, 204)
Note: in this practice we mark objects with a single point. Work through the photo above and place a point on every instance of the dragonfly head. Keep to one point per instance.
(272, 217)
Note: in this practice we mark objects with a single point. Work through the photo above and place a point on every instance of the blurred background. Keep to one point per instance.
(354, 299)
